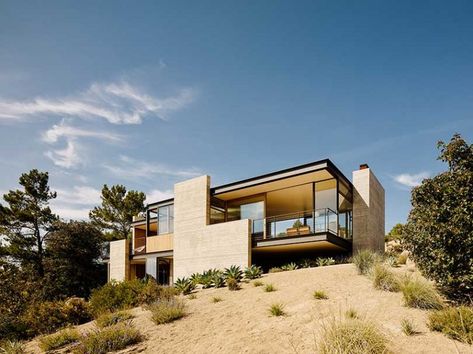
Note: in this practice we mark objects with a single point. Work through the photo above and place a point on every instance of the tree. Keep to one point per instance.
(115, 215)
(72, 263)
(395, 233)
(27, 220)
(439, 231)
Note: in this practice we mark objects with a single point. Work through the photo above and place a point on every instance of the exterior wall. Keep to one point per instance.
(368, 212)
(159, 243)
(119, 264)
(199, 246)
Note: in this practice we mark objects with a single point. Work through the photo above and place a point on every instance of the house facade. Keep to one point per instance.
(300, 212)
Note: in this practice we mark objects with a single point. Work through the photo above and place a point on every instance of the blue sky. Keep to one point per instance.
(149, 93)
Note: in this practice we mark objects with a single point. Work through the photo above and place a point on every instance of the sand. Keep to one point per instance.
(241, 322)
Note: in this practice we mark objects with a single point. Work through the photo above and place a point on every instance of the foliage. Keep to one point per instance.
(455, 322)
(195, 278)
(395, 234)
(391, 261)
(71, 265)
(115, 215)
(408, 327)
(151, 291)
(59, 339)
(233, 272)
(233, 284)
(352, 336)
(275, 270)
(184, 285)
(306, 263)
(218, 280)
(216, 299)
(192, 297)
(110, 319)
(439, 231)
(384, 279)
(321, 262)
(253, 272)
(166, 311)
(277, 309)
(421, 294)
(364, 260)
(26, 221)
(109, 339)
(115, 296)
(351, 313)
(12, 347)
(289, 266)
(402, 258)
(257, 283)
(269, 288)
(320, 295)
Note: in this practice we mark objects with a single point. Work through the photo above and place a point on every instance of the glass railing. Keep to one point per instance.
(296, 224)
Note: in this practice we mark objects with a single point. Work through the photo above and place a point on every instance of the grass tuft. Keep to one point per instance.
(12, 347)
(402, 258)
(167, 311)
(257, 283)
(352, 337)
(364, 261)
(275, 270)
(59, 339)
(216, 299)
(269, 288)
(419, 293)
(351, 313)
(192, 297)
(320, 295)
(384, 279)
(408, 327)
(277, 309)
(454, 322)
(110, 319)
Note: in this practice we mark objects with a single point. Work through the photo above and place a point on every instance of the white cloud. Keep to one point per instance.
(62, 130)
(132, 168)
(75, 203)
(69, 157)
(157, 195)
(411, 180)
(118, 103)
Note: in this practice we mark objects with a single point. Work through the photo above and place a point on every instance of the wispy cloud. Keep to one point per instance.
(132, 168)
(410, 180)
(76, 202)
(62, 130)
(69, 157)
(157, 195)
(118, 103)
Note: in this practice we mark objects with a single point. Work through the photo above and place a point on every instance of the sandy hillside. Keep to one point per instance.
(240, 323)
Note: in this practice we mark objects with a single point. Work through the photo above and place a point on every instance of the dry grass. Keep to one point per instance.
(269, 288)
(277, 309)
(110, 319)
(384, 279)
(216, 299)
(419, 293)
(454, 322)
(352, 336)
(320, 295)
(167, 311)
(257, 283)
(59, 339)
(192, 297)
(402, 258)
(408, 327)
(351, 313)
(12, 347)
(364, 261)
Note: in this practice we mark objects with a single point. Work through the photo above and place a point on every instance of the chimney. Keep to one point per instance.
(364, 166)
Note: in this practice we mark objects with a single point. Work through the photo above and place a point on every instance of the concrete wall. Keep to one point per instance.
(368, 212)
(199, 246)
(119, 266)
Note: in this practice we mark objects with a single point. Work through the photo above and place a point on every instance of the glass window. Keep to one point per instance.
(255, 212)
(326, 195)
(166, 219)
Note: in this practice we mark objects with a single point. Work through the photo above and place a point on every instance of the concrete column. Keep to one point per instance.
(119, 263)
(368, 211)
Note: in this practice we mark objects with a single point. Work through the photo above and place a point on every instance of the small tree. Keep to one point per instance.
(395, 233)
(439, 231)
(26, 221)
(115, 215)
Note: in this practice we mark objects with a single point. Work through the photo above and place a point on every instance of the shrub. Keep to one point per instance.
(206, 279)
(352, 336)
(77, 310)
(257, 283)
(218, 280)
(184, 285)
(110, 319)
(402, 258)
(364, 261)
(351, 313)
(321, 262)
(408, 327)
(152, 292)
(306, 263)
(277, 309)
(109, 339)
(384, 279)
(233, 272)
(391, 261)
(455, 322)
(166, 311)
(253, 272)
(420, 294)
(12, 347)
(195, 278)
(59, 339)
(289, 266)
(320, 295)
(232, 284)
(116, 296)
(269, 288)
(216, 299)
(275, 270)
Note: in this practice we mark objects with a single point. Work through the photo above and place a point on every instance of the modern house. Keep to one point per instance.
(300, 212)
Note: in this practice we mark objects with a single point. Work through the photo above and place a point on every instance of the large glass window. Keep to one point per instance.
(251, 208)
(217, 210)
(166, 219)
(345, 208)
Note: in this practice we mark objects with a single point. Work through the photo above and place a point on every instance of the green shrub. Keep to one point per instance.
(364, 261)
(12, 347)
(275, 270)
(218, 280)
(184, 285)
(232, 284)
(253, 272)
(257, 283)
(402, 258)
(408, 327)
(59, 339)
(110, 319)
(233, 272)
(420, 294)
(321, 262)
(455, 322)
(206, 279)
(195, 278)
(152, 292)
(277, 309)
(306, 263)
(384, 279)
(116, 296)
(351, 313)
(269, 288)
(289, 266)
(166, 311)
(320, 295)
(352, 336)
(216, 299)
(109, 339)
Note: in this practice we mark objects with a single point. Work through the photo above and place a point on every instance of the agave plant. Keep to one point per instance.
(233, 272)
(218, 280)
(306, 263)
(184, 285)
(195, 278)
(289, 266)
(324, 261)
(253, 272)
